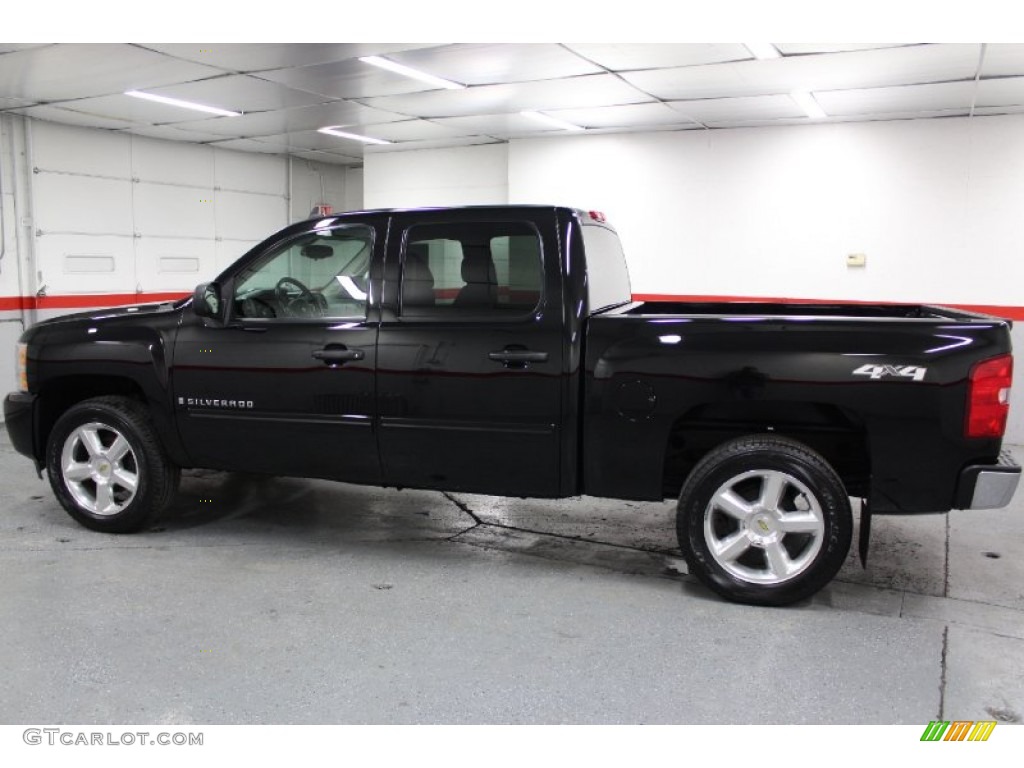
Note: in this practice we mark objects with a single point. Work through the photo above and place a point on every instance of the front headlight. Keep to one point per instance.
(22, 366)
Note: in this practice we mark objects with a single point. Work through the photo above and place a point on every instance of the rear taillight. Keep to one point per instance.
(988, 401)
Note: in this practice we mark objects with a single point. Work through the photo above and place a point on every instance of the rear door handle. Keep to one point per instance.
(334, 355)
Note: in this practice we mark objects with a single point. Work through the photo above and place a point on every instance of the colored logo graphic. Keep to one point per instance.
(958, 730)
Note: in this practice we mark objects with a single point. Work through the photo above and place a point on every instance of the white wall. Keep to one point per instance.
(775, 211)
(934, 205)
(475, 175)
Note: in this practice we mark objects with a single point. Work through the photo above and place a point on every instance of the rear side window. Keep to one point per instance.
(479, 269)
(607, 276)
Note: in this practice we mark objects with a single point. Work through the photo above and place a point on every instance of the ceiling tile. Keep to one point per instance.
(258, 124)
(171, 133)
(74, 71)
(478, 64)
(328, 157)
(251, 145)
(298, 140)
(240, 93)
(9, 47)
(255, 57)
(625, 56)
(567, 93)
(627, 116)
(740, 108)
(6, 102)
(1008, 110)
(467, 141)
(906, 98)
(408, 130)
(881, 116)
(501, 126)
(798, 49)
(347, 80)
(1003, 59)
(1001, 92)
(69, 117)
(823, 72)
(132, 110)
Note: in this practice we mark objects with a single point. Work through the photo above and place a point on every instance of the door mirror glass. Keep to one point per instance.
(206, 300)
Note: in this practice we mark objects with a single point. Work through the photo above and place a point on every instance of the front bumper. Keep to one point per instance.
(988, 486)
(19, 417)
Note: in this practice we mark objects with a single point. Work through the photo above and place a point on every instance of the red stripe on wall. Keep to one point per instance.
(1011, 313)
(89, 300)
(85, 300)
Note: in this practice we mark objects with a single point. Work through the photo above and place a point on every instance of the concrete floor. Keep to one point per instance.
(268, 600)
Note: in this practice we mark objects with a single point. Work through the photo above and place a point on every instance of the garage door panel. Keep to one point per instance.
(73, 150)
(75, 264)
(174, 264)
(172, 163)
(82, 204)
(165, 211)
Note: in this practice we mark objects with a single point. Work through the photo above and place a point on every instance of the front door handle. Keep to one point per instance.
(337, 354)
(517, 358)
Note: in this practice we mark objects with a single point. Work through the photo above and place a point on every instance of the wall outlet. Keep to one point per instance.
(856, 260)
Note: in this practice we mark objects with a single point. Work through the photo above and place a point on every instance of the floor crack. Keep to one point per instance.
(464, 507)
(942, 679)
(945, 587)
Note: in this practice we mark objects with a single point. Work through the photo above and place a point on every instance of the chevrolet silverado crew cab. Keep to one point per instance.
(498, 350)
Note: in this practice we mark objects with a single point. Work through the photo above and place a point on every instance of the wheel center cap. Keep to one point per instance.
(761, 527)
(103, 468)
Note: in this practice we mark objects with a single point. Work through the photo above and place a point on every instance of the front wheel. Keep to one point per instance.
(107, 467)
(764, 520)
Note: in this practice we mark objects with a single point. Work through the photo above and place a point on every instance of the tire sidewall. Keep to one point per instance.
(820, 480)
(132, 516)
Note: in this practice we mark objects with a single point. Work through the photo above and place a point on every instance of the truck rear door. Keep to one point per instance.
(470, 352)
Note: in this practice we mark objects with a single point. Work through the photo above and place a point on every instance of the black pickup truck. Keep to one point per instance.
(498, 350)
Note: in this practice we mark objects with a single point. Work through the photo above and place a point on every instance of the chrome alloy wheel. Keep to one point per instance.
(99, 468)
(764, 527)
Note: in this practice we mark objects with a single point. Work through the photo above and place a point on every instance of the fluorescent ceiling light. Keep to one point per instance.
(332, 130)
(415, 74)
(763, 50)
(554, 122)
(808, 104)
(183, 104)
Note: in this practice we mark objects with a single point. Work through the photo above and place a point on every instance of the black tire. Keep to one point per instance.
(77, 465)
(749, 548)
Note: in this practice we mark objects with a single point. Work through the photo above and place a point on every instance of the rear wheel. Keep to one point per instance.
(107, 467)
(764, 520)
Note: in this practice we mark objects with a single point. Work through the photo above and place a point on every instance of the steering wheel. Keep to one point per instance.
(305, 304)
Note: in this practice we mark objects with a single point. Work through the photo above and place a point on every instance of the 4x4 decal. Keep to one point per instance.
(915, 372)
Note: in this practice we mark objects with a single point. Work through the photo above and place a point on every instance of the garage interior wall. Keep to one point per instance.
(773, 212)
(104, 217)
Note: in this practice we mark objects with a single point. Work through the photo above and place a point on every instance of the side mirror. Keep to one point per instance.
(206, 301)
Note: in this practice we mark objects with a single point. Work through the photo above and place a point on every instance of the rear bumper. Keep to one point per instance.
(19, 418)
(988, 486)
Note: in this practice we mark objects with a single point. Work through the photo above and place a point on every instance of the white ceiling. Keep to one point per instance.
(288, 91)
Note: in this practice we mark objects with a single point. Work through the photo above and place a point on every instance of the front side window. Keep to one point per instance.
(491, 268)
(324, 273)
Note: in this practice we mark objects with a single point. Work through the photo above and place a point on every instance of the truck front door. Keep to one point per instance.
(286, 384)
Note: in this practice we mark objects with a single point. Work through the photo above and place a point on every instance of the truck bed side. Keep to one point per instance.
(883, 399)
